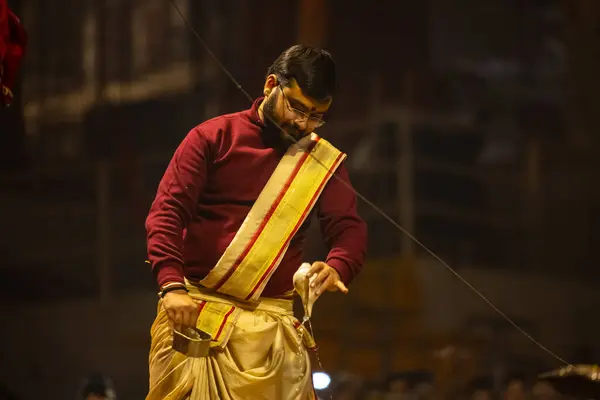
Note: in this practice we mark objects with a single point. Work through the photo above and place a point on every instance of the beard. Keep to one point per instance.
(289, 131)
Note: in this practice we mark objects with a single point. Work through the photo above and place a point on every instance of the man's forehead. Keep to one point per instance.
(308, 103)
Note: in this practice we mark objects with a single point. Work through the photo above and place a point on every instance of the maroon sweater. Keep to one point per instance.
(212, 181)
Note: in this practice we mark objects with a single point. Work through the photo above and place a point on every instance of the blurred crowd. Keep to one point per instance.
(417, 386)
(583, 384)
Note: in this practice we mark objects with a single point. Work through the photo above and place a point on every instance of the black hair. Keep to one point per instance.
(312, 68)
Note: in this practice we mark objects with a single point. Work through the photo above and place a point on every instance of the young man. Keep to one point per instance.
(225, 237)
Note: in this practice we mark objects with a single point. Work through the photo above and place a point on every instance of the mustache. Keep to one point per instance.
(294, 130)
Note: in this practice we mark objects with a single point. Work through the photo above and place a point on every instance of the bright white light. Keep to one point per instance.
(321, 380)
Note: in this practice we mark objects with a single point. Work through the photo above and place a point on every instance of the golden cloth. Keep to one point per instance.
(279, 211)
(264, 356)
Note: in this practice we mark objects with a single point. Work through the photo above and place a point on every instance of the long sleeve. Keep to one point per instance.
(176, 200)
(344, 231)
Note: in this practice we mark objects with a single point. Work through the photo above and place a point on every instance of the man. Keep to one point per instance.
(225, 237)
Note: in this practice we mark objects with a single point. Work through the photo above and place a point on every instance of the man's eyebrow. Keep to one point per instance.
(298, 104)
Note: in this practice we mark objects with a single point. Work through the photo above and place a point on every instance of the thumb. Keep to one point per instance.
(340, 285)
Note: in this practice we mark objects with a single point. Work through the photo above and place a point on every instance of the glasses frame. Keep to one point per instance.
(313, 121)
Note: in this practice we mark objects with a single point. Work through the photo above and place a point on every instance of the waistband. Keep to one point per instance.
(283, 306)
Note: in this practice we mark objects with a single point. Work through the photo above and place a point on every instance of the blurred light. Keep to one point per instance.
(321, 380)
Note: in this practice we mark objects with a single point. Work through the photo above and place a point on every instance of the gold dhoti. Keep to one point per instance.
(264, 356)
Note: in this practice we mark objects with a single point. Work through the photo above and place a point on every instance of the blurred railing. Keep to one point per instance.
(78, 230)
(422, 170)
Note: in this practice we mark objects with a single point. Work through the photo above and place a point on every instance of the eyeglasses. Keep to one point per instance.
(313, 121)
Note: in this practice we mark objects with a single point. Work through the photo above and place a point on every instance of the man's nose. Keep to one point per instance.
(301, 124)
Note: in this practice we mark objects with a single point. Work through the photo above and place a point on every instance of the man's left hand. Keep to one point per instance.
(323, 277)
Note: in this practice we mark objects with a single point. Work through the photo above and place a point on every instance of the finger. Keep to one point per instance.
(341, 287)
(178, 320)
(184, 313)
(328, 284)
(316, 267)
(170, 321)
(190, 317)
(194, 318)
(171, 317)
(319, 279)
(185, 318)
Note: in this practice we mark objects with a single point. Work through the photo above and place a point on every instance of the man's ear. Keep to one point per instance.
(270, 84)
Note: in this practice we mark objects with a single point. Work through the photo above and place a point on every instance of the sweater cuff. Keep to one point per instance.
(169, 274)
(342, 268)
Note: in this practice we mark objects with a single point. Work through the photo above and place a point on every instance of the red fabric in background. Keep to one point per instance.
(13, 44)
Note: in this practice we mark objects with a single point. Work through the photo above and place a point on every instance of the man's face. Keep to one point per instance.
(291, 110)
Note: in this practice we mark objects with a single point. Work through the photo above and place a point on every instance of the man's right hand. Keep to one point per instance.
(181, 309)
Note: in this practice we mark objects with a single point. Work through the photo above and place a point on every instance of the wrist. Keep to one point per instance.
(172, 287)
(341, 268)
(169, 284)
